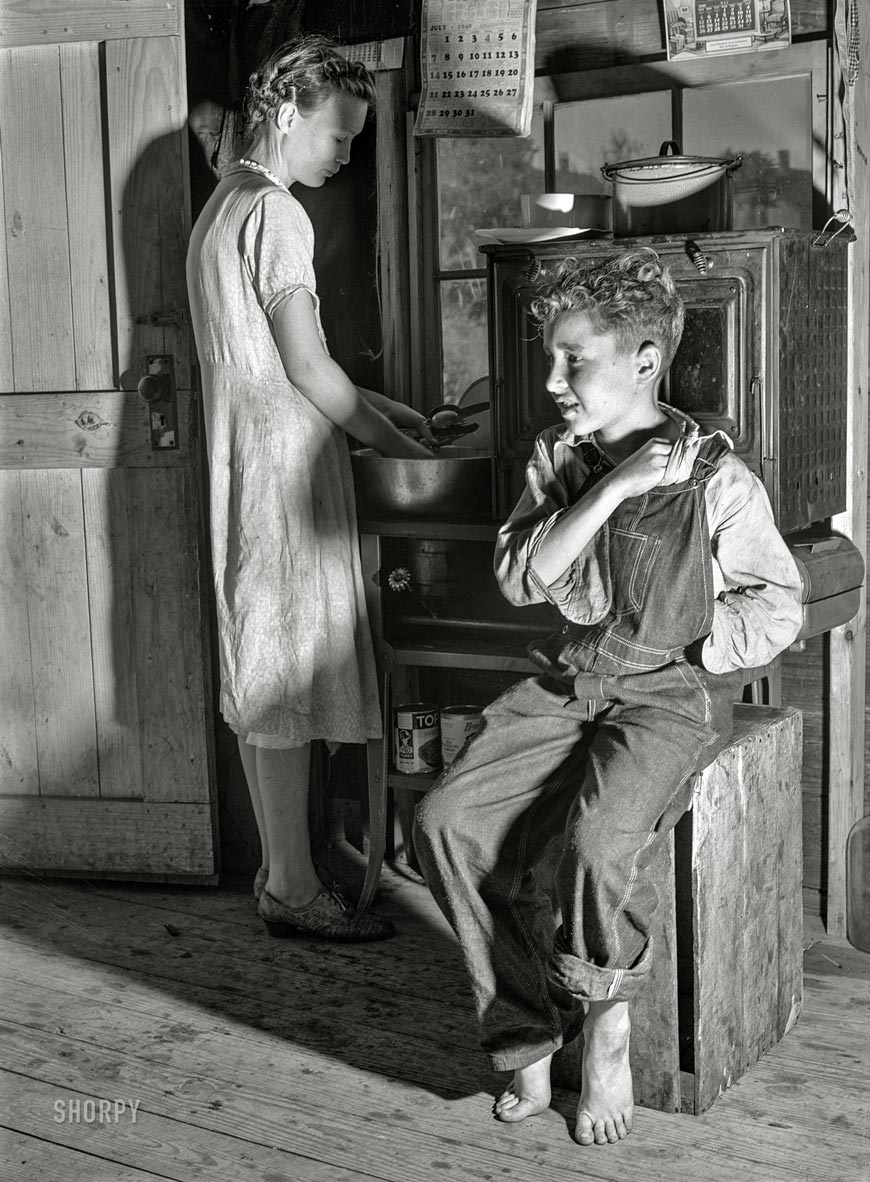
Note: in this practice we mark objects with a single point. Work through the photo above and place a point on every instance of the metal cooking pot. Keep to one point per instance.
(671, 193)
(455, 482)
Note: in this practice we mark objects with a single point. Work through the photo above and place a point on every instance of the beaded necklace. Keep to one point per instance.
(255, 166)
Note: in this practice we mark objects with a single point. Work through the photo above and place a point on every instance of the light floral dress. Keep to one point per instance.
(295, 649)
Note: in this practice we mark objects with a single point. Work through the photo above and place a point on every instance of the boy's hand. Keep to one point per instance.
(682, 457)
(645, 468)
(658, 462)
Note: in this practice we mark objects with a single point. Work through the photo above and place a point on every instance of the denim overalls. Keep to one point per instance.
(584, 768)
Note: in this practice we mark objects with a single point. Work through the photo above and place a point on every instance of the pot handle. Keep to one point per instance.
(612, 173)
(732, 165)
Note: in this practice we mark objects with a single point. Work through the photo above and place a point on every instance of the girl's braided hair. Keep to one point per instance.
(306, 70)
(631, 295)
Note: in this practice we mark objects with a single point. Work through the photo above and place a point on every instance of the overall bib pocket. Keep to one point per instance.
(635, 553)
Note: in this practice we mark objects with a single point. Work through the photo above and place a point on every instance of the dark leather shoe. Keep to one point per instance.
(326, 917)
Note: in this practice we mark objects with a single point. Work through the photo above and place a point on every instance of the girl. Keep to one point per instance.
(295, 650)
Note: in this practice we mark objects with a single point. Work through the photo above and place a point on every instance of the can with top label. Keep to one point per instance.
(417, 738)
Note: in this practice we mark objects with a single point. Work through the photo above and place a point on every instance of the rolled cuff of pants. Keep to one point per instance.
(521, 1046)
(522, 1051)
(588, 982)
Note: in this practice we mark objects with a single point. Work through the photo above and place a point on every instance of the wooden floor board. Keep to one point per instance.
(220, 1079)
(170, 1148)
(234, 1048)
(116, 929)
(229, 1060)
(305, 1017)
(261, 1059)
(30, 1159)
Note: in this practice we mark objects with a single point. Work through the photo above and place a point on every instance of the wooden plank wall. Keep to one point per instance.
(83, 164)
(392, 179)
(148, 188)
(362, 20)
(113, 620)
(57, 598)
(100, 554)
(34, 193)
(571, 34)
(82, 193)
(50, 22)
(584, 34)
(18, 766)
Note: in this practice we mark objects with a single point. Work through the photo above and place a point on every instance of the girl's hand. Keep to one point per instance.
(407, 419)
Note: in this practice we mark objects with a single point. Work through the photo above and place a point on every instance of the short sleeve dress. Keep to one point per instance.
(296, 655)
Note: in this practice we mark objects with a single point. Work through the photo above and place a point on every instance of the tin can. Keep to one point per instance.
(458, 724)
(417, 738)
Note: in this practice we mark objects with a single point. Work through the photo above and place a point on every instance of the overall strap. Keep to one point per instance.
(710, 453)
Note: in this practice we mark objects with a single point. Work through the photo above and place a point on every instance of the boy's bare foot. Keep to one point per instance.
(606, 1105)
(528, 1095)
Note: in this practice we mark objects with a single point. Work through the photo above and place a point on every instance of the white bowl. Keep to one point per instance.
(566, 209)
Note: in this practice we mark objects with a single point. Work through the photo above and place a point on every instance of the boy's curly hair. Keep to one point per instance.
(631, 295)
(306, 70)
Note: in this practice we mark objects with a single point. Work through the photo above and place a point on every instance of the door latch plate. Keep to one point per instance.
(158, 390)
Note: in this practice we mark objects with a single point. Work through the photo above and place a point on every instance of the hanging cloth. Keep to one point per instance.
(847, 42)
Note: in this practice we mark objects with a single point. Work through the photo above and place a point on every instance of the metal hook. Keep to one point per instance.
(841, 215)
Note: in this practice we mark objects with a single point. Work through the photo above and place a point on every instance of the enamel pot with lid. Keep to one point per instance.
(671, 193)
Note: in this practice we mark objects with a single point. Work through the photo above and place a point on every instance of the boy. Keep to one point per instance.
(658, 548)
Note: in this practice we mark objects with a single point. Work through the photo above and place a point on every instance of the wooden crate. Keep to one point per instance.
(726, 980)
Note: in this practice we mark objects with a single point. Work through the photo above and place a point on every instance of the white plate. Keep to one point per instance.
(508, 235)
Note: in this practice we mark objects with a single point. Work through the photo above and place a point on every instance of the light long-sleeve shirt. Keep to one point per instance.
(757, 611)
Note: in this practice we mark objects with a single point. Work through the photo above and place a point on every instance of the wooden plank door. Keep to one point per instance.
(105, 728)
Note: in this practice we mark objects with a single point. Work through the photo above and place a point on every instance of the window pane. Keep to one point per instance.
(463, 334)
(769, 124)
(479, 185)
(594, 132)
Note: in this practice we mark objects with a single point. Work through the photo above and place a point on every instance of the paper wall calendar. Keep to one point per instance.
(478, 67)
(706, 28)
(377, 55)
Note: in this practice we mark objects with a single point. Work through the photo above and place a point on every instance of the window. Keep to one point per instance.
(479, 182)
(594, 132)
(769, 123)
